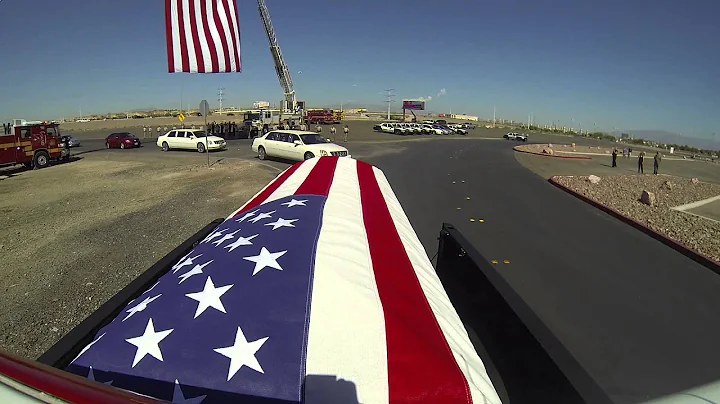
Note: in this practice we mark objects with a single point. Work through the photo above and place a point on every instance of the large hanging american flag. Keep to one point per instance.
(203, 36)
(316, 291)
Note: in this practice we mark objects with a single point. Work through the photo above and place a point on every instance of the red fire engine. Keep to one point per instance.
(33, 144)
(322, 116)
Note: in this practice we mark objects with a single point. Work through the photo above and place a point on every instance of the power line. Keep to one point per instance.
(389, 99)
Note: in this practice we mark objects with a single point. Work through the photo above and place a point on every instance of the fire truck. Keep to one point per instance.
(322, 116)
(31, 143)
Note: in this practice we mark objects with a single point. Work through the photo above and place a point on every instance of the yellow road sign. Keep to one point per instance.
(181, 117)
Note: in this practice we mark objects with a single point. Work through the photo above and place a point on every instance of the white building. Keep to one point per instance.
(465, 117)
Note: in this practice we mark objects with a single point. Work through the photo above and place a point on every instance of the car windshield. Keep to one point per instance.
(313, 139)
(127, 135)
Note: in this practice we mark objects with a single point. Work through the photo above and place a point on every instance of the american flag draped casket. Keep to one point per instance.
(317, 290)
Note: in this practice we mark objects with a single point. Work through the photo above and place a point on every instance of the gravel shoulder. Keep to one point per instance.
(622, 193)
(73, 235)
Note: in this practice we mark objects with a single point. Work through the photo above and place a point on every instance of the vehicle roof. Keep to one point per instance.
(293, 132)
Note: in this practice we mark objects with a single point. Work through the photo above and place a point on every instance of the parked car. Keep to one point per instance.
(398, 129)
(458, 128)
(121, 140)
(387, 127)
(295, 145)
(71, 141)
(190, 139)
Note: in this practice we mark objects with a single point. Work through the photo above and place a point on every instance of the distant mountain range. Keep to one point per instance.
(665, 137)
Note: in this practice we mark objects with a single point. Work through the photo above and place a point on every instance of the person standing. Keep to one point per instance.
(318, 129)
(614, 157)
(346, 130)
(656, 162)
(332, 132)
(641, 159)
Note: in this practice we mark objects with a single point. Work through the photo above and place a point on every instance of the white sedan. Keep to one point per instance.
(295, 145)
(190, 139)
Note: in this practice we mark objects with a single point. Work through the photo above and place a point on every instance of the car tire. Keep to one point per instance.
(308, 156)
(262, 155)
(41, 160)
(201, 148)
(165, 146)
(122, 145)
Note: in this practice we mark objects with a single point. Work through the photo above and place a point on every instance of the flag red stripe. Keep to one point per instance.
(238, 55)
(168, 35)
(419, 358)
(200, 60)
(258, 200)
(233, 28)
(320, 178)
(208, 36)
(218, 23)
(183, 41)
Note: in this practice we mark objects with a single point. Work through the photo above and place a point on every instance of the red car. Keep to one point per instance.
(122, 140)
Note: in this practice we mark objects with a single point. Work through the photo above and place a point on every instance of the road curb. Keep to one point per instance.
(691, 253)
(552, 155)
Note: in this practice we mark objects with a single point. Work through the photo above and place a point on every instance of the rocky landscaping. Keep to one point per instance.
(561, 150)
(648, 199)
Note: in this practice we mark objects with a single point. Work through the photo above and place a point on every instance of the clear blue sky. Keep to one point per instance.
(640, 64)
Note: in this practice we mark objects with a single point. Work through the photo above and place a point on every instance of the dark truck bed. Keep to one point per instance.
(526, 362)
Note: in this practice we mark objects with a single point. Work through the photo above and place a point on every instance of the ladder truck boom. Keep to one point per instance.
(281, 67)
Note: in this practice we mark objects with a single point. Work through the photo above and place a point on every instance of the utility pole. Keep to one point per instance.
(221, 92)
(494, 111)
(389, 95)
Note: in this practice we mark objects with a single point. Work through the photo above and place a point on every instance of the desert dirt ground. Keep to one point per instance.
(73, 235)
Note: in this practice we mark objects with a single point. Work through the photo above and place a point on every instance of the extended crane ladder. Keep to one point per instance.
(281, 67)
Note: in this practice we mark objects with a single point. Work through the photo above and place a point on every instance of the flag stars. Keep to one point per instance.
(148, 343)
(209, 297)
(224, 238)
(242, 353)
(91, 377)
(295, 202)
(241, 241)
(197, 270)
(88, 346)
(281, 223)
(265, 259)
(179, 397)
(140, 307)
(262, 216)
(247, 215)
(183, 263)
(214, 235)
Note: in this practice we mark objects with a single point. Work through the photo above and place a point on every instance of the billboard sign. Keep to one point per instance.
(261, 104)
(414, 104)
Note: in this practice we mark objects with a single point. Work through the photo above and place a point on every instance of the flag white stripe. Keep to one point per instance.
(294, 181)
(214, 33)
(177, 56)
(346, 315)
(236, 43)
(470, 364)
(188, 35)
(204, 48)
(228, 37)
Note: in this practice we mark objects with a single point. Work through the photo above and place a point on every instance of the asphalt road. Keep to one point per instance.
(641, 317)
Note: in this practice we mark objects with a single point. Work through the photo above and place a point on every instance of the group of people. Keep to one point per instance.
(333, 132)
(641, 160)
(230, 129)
